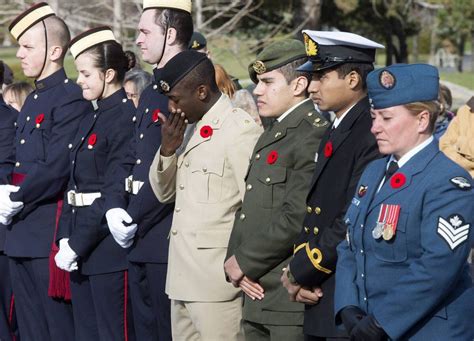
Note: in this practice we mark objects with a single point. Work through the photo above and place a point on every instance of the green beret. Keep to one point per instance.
(276, 55)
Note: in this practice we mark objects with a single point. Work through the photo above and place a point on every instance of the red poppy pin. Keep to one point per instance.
(206, 131)
(39, 118)
(155, 115)
(397, 180)
(328, 149)
(272, 157)
(92, 140)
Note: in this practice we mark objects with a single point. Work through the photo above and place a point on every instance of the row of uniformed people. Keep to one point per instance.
(79, 180)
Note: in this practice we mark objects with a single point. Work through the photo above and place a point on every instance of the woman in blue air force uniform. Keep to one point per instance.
(96, 197)
(402, 272)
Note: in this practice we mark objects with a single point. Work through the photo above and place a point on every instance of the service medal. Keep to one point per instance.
(377, 231)
(387, 233)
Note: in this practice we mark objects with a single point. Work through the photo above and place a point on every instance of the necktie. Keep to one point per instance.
(392, 169)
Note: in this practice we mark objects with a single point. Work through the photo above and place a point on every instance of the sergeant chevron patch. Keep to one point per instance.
(453, 231)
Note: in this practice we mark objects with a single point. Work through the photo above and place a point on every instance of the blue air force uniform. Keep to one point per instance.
(46, 125)
(99, 287)
(149, 255)
(8, 117)
(417, 284)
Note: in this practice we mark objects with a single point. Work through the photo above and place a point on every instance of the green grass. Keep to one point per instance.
(465, 79)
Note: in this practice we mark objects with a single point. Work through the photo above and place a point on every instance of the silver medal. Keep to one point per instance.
(377, 232)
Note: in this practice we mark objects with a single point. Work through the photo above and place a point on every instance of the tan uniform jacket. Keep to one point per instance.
(458, 140)
(207, 183)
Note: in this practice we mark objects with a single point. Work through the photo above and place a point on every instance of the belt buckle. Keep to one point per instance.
(129, 184)
(72, 198)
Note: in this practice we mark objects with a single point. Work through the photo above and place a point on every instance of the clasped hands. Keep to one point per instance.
(235, 275)
(8, 208)
(297, 293)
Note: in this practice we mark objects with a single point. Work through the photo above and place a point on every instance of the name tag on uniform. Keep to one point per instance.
(355, 201)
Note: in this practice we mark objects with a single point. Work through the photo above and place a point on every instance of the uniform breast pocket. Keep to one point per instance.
(205, 180)
(40, 134)
(273, 186)
(395, 249)
(350, 220)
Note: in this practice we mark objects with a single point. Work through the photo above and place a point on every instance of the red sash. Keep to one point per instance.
(59, 284)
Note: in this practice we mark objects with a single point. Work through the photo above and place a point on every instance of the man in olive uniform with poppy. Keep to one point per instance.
(273, 209)
(340, 62)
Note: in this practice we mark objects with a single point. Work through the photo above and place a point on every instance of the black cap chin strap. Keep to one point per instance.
(45, 50)
(164, 45)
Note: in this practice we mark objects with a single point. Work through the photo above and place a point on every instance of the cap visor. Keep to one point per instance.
(306, 67)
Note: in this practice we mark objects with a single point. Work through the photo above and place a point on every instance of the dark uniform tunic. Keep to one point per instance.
(46, 125)
(8, 117)
(343, 155)
(99, 165)
(149, 255)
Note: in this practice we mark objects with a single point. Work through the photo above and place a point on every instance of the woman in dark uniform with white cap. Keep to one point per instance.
(402, 271)
(95, 194)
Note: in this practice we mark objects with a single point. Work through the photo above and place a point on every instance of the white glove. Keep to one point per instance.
(5, 221)
(66, 258)
(9, 208)
(123, 234)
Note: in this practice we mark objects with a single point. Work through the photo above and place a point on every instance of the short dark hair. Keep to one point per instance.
(203, 74)
(363, 69)
(290, 73)
(110, 55)
(180, 20)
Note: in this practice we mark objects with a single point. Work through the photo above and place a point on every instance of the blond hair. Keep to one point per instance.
(433, 107)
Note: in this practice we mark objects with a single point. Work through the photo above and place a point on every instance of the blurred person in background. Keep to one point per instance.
(136, 80)
(240, 98)
(15, 94)
(445, 116)
(458, 141)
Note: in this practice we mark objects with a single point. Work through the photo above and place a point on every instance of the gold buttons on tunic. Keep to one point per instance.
(277, 134)
(317, 210)
(139, 161)
(249, 187)
(267, 180)
(181, 187)
(257, 156)
(306, 229)
(17, 164)
(310, 114)
(134, 118)
(174, 232)
(22, 141)
(141, 136)
(309, 209)
(204, 169)
(177, 209)
(242, 216)
(315, 231)
(28, 118)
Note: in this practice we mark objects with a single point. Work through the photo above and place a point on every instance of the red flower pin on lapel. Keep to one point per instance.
(397, 180)
(92, 140)
(155, 115)
(328, 149)
(272, 157)
(39, 118)
(206, 131)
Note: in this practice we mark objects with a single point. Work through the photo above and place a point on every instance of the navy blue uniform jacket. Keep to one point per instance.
(153, 218)
(42, 154)
(99, 166)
